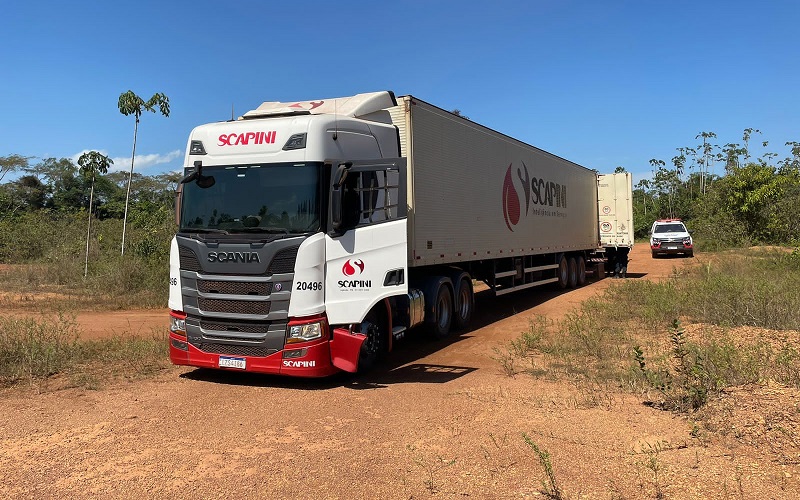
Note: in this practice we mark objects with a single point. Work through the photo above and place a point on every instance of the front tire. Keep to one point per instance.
(375, 343)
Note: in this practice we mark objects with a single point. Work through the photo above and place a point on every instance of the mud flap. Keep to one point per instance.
(345, 349)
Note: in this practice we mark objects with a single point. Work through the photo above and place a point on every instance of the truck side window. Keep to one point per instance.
(379, 196)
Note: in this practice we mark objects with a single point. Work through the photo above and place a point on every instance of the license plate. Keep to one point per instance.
(228, 362)
(672, 248)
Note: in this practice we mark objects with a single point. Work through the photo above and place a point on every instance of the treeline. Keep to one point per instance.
(726, 194)
(44, 221)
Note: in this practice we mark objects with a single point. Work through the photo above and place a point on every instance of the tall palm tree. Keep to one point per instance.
(131, 104)
(91, 163)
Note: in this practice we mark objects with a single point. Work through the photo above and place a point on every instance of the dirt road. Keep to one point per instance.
(441, 419)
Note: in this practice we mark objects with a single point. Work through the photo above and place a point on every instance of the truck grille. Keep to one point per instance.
(283, 261)
(188, 259)
(234, 306)
(234, 350)
(229, 326)
(234, 287)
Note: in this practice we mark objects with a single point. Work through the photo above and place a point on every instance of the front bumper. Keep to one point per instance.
(308, 359)
(671, 248)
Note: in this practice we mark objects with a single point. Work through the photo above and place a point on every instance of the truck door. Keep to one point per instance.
(366, 245)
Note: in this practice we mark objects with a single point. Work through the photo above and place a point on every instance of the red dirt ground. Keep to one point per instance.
(439, 420)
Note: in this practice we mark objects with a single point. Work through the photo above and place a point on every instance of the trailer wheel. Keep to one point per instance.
(563, 272)
(375, 342)
(443, 312)
(573, 272)
(581, 271)
(464, 303)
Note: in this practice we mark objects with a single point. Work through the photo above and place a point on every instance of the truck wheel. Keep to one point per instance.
(375, 342)
(581, 271)
(443, 313)
(563, 272)
(464, 303)
(573, 272)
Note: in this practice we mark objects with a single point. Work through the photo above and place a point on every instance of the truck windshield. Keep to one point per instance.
(670, 228)
(260, 198)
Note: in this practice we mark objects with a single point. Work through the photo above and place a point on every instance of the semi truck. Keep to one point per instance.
(313, 235)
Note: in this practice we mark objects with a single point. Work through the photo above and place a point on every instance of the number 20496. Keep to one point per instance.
(308, 285)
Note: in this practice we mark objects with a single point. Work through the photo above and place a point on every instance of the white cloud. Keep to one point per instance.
(142, 162)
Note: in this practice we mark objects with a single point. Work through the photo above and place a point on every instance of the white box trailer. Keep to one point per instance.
(313, 234)
(615, 209)
(474, 193)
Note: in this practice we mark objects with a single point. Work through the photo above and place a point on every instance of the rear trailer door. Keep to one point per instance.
(366, 257)
(615, 209)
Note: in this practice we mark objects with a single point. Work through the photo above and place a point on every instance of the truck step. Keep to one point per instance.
(398, 332)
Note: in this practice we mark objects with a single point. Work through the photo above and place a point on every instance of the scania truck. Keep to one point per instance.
(312, 235)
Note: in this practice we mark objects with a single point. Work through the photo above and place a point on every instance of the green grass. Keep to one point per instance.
(48, 257)
(34, 351)
(634, 336)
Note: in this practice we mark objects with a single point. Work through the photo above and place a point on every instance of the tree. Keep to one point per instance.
(92, 163)
(620, 170)
(12, 163)
(748, 132)
(706, 148)
(131, 104)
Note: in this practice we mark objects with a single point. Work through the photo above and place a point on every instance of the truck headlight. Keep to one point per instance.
(177, 324)
(304, 333)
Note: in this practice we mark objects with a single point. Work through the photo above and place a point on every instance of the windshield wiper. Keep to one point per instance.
(206, 230)
(271, 230)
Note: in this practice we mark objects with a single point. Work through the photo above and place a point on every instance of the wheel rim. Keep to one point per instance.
(443, 309)
(464, 302)
(563, 272)
(372, 332)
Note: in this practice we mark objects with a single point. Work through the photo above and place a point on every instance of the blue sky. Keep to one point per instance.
(602, 83)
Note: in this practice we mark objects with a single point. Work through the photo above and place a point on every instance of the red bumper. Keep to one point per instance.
(314, 360)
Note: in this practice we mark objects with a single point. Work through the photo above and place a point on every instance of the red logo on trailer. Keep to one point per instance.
(349, 269)
(511, 207)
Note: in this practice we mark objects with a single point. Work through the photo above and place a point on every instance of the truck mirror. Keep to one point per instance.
(337, 200)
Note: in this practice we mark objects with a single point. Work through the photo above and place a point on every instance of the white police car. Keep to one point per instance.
(669, 236)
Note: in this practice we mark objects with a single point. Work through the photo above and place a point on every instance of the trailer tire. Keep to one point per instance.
(573, 272)
(562, 273)
(442, 318)
(464, 303)
(581, 271)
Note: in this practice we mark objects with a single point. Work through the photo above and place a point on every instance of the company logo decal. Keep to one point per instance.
(245, 257)
(299, 364)
(541, 192)
(356, 267)
(246, 138)
(307, 105)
